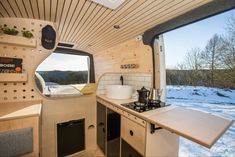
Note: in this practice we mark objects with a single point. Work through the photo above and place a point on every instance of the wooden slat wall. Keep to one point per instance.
(133, 28)
(90, 25)
(130, 52)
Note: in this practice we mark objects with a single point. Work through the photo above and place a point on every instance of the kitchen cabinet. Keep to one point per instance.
(113, 133)
(111, 126)
(134, 134)
(15, 120)
(108, 131)
(101, 127)
(128, 150)
(161, 128)
(136, 137)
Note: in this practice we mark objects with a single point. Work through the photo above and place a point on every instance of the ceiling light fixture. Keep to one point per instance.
(116, 26)
(112, 4)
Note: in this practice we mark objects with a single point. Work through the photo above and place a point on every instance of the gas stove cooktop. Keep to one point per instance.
(143, 107)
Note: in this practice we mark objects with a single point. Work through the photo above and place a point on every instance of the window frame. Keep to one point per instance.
(91, 69)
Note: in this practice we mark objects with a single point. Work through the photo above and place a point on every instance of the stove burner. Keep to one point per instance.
(155, 103)
(139, 106)
(142, 107)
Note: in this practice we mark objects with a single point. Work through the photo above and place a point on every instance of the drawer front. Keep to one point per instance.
(134, 134)
(135, 119)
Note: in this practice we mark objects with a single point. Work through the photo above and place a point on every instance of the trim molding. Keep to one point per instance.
(212, 8)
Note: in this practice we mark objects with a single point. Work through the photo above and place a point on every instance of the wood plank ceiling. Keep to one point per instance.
(91, 26)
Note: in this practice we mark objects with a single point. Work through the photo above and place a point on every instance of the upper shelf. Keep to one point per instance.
(18, 40)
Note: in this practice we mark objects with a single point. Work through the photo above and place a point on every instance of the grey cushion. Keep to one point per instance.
(16, 142)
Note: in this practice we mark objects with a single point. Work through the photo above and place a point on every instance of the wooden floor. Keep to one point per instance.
(90, 153)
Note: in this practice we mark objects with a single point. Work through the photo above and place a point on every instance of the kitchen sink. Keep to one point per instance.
(119, 91)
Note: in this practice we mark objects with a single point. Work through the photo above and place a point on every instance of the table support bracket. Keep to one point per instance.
(153, 128)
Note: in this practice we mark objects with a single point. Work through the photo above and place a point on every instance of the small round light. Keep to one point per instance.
(116, 26)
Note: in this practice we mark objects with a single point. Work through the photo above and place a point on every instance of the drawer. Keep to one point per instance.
(134, 118)
(134, 134)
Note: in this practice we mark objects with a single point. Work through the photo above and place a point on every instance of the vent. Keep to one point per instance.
(65, 45)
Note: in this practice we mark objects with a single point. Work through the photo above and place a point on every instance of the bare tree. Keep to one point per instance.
(212, 66)
(228, 57)
(180, 66)
(230, 26)
(211, 56)
(228, 54)
(193, 59)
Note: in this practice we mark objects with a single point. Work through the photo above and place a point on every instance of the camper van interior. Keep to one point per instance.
(115, 106)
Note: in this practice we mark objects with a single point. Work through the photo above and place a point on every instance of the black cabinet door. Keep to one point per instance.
(101, 126)
(128, 151)
(113, 133)
(70, 137)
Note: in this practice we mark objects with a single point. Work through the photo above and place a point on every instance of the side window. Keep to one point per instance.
(64, 73)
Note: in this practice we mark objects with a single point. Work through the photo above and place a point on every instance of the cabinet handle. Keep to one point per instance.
(101, 124)
(131, 133)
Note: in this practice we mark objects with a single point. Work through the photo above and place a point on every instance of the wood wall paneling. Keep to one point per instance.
(31, 53)
(35, 9)
(8, 8)
(166, 10)
(71, 12)
(130, 52)
(90, 26)
(54, 110)
(110, 20)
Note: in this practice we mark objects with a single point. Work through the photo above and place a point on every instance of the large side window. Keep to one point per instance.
(64, 73)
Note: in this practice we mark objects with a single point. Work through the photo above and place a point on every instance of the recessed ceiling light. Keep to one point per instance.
(112, 4)
(116, 26)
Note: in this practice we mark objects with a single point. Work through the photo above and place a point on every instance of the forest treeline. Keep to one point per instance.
(65, 77)
(212, 66)
(222, 78)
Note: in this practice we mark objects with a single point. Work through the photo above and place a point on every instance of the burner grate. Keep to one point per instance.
(143, 107)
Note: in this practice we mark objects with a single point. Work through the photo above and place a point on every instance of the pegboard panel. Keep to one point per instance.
(32, 53)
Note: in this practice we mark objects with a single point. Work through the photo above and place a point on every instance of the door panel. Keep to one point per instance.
(113, 133)
(128, 151)
(101, 126)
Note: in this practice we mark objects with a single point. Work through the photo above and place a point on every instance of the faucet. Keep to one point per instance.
(121, 79)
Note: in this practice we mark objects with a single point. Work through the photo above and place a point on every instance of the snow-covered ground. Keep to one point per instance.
(212, 100)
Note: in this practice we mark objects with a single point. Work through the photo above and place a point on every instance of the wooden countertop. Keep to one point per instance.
(200, 127)
(143, 115)
(19, 110)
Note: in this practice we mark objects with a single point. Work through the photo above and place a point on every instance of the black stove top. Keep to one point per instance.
(143, 107)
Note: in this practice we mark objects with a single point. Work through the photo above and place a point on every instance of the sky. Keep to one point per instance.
(178, 42)
(64, 62)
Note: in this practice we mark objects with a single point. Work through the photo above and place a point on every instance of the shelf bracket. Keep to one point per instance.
(153, 128)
